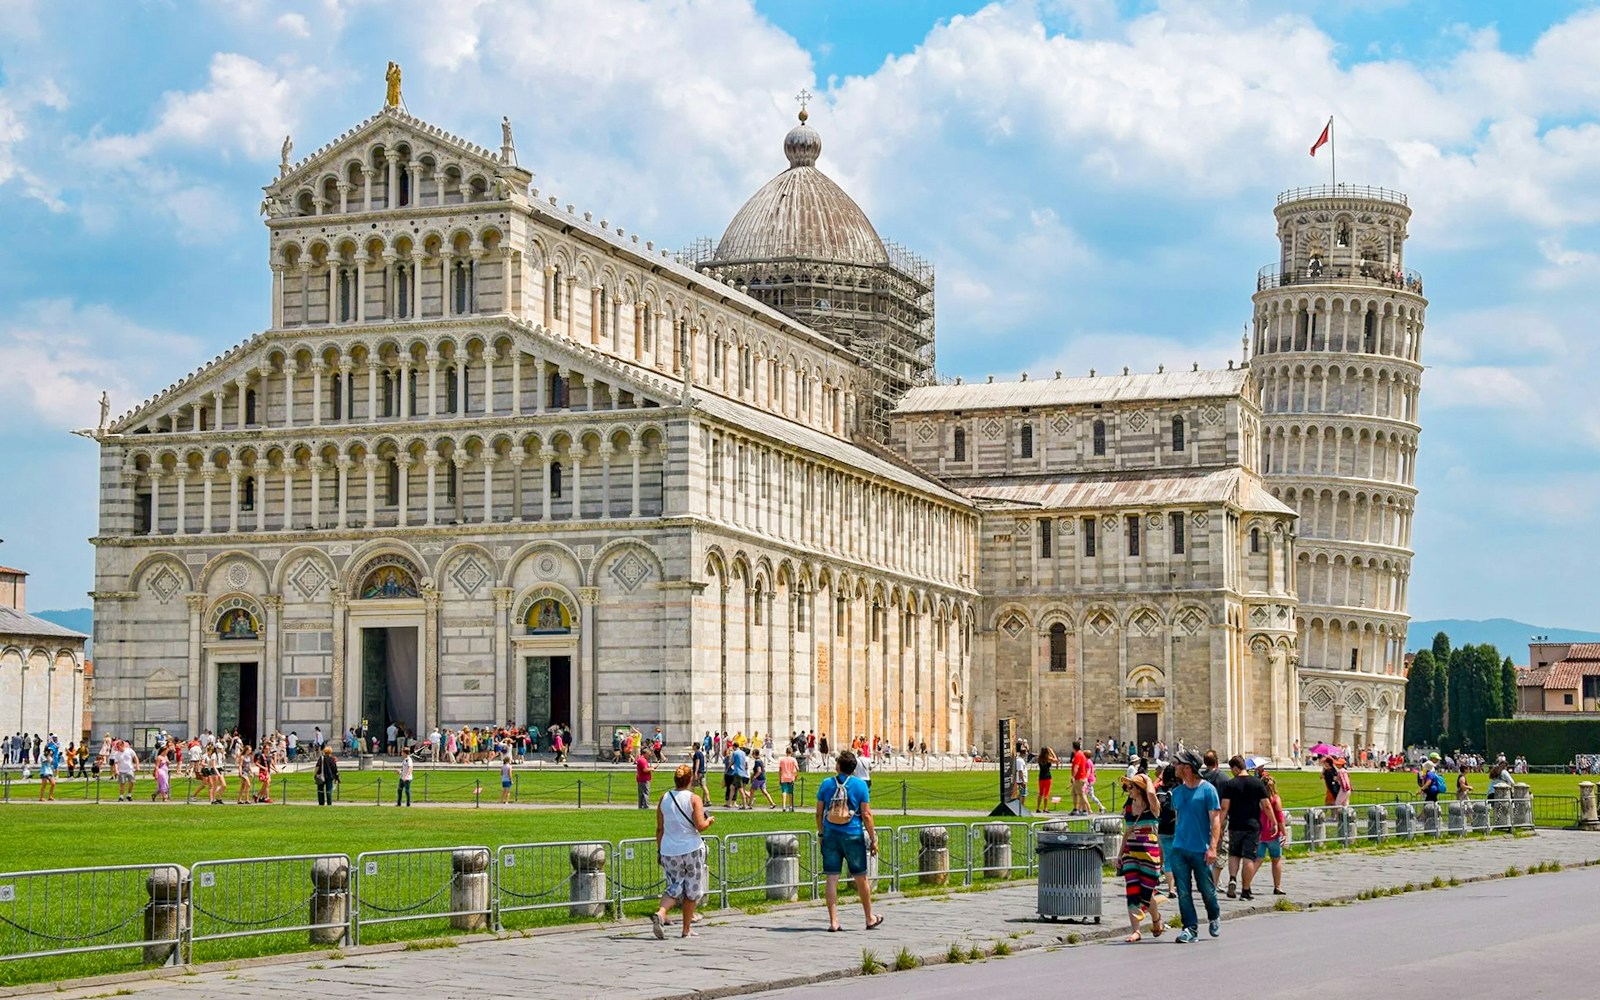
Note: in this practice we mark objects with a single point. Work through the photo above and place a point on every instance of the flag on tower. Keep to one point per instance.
(1322, 139)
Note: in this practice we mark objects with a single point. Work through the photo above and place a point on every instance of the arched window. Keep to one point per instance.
(1058, 648)
(452, 390)
(250, 407)
(405, 186)
(346, 296)
(961, 444)
(451, 479)
(555, 479)
(1177, 434)
(1135, 529)
(1371, 330)
(336, 386)
(1099, 437)
(1255, 539)
(649, 323)
(463, 289)
(557, 300)
(558, 391)
(391, 483)
(402, 291)
(247, 493)
(1027, 440)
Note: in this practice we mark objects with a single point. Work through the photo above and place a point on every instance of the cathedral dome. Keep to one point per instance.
(801, 213)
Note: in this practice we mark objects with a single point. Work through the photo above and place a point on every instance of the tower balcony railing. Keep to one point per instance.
(1342, 191)
(1367, 273)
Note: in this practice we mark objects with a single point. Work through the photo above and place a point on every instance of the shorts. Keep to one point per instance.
(1165, 839)
(786, 787)
(505, 784)
(686, 874)
(839, 848)
(758, 785)
(1243, 843)
(736, 782)
(46, 773)
(1270, 849)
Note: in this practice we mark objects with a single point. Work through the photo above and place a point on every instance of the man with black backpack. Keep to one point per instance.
(846, 834)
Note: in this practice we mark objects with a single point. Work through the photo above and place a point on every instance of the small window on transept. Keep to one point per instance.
(1027, 440)
(1177, 434)
(961, 444)
(1099, 437)
(1089, 537)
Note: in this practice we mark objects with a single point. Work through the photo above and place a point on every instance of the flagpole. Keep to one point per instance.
(1333, 153)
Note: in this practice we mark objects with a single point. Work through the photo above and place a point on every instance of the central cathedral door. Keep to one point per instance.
(549, 697)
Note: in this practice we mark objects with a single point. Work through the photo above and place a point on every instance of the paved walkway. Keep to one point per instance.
(735, 953)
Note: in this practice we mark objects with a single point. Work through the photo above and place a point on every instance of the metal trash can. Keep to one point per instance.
(1070, 874)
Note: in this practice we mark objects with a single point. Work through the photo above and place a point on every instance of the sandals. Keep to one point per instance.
(657, 927)
(1158, 927)
(1133, 938)
(877, 922)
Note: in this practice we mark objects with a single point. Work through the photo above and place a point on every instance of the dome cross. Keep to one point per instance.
(804, 97)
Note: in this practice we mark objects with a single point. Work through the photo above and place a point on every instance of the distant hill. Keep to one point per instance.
(77, 619)
(1508, 636)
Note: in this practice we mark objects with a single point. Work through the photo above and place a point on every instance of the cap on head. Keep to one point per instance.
(1190, 758)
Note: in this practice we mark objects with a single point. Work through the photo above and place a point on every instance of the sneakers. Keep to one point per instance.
(1187, 936)
(1233, 889)
(1216, 928)
(1246, 894)
(1279, 892)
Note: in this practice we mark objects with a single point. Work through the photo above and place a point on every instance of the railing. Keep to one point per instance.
(167, 911)
(67, 911)
(1372, 274)
(254, 896)
(1342, 191)
(430, 883)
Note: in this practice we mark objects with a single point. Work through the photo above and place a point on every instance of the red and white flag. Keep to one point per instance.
(1322, 139)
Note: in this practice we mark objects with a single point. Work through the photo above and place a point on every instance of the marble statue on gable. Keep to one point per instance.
(284, 154)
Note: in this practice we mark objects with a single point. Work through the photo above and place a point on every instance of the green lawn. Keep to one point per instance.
(64, 835)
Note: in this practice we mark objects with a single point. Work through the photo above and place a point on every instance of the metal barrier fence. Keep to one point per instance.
(569, 873)
(67, 911)
(166, 910)
(430, 883)
(247, 897)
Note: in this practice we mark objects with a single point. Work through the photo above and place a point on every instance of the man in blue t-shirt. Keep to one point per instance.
(1196, 834)
(740, 762)
(846, 839)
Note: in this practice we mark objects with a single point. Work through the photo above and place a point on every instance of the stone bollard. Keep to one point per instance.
(469, 890)
(783, 867)
(996, 850)
(1110, 830)
(1480, 817)
(1056, 826)
(1377, 822)
(1346, 825)
(1313, 835)
(1405, 826)
(1588, 806)
(163, 918)
(1430, 818)
(1457, 817)
(1499, 808)
(330, 901)
(588, 894)
(933, 856)
(1522, 804)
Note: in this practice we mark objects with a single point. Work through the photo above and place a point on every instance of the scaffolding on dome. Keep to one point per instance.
(884, 312)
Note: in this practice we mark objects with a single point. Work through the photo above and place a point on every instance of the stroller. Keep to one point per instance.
(422, 751)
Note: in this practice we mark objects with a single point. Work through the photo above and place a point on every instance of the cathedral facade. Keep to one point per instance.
(494, 460)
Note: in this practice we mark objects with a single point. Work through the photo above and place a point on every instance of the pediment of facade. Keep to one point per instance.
(392, 128)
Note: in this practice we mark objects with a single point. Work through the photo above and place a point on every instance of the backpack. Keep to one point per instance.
(1437, 781)
(1344, 780)
(839, 811)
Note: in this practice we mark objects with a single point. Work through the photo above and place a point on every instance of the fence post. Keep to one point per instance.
(903, 797)
(608, 789)
(783, 867)
(1588, 807)
(424, 787)
(477, 793)
(996, 850)
(580, 793)
(588, 893)
(933, 856)
(330, 900)
(469, 890)
(168, 887)
(379, 793)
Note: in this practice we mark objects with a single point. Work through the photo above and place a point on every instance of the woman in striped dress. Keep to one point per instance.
(1140, 864)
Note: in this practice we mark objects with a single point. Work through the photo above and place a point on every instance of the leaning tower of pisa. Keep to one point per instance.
(1337, 351)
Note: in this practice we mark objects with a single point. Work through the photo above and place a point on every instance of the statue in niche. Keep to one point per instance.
(391, 77)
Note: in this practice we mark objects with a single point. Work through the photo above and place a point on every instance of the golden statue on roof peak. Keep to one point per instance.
(391, 97)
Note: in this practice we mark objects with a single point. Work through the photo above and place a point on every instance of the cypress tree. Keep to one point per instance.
(1421, 695)
(1441, 647)
(1508, 689)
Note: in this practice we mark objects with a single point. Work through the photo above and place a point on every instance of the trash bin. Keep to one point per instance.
(1070, 874)
(364, 762)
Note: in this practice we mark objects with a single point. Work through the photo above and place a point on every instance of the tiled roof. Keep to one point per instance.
(1583, 651)
(14, 622)
(1075, 391)
(1532, 678)
(16, 572)
(1568, 675)
(1127, 489)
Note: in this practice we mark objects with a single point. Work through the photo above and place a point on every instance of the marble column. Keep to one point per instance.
(370, 466)
(488, 489)
(403, 467)
(636, 453)
(343, 463)
(206, 478)
(431, 462)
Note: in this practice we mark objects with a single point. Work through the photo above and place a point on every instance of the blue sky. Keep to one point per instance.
(1093, 180)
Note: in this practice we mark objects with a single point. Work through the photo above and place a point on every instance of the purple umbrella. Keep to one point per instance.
(1323, 750)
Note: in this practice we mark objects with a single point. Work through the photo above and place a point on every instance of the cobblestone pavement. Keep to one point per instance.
(737, 953)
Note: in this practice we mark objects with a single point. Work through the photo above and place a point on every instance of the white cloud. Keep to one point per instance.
(246, 107)
(19, 104)
(57, 356)
(1479, 388)
(294, 24)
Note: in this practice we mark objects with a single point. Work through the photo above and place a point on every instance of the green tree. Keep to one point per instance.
(1421, 700)
(1441, 647)
(1508, 689)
